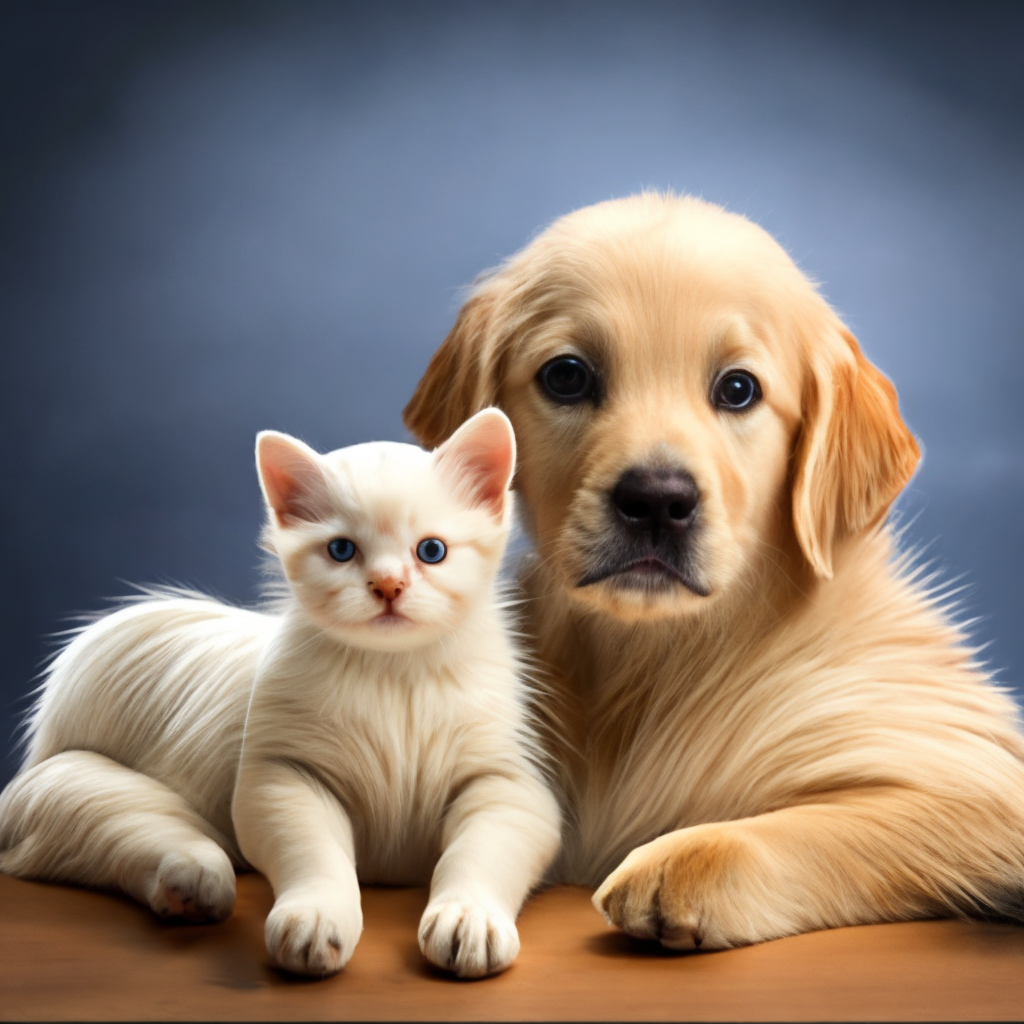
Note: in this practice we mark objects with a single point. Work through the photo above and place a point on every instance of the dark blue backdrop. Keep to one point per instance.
(222, 217)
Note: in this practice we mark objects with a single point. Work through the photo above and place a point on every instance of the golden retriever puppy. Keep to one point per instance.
(765, 720)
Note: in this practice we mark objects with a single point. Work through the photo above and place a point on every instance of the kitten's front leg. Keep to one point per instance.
(296, 833)
(500, 835)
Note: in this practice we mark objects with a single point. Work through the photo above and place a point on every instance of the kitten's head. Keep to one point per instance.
(384, 545)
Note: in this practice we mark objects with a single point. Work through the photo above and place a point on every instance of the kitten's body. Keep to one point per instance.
(385, 732)
(417, 727)
(160, 686)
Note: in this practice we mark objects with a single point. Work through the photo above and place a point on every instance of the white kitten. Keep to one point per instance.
(386, 737)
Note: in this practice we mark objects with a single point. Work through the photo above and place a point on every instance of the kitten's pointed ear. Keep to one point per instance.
(293, 482)
(482, 456)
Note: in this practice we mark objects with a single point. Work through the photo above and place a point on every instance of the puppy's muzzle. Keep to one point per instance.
(652, 515)
(655, 504)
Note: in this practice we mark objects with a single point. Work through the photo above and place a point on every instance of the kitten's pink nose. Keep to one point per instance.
(387, 588)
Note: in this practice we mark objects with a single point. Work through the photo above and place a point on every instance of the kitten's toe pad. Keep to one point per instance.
(196, 887)
(468, 939)
(306, 939)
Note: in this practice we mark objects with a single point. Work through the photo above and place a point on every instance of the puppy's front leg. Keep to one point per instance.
(500, 835)
(296, 833)
(853, 858)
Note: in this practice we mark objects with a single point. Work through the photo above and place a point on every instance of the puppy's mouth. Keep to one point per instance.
(641, 536)
(648, 574)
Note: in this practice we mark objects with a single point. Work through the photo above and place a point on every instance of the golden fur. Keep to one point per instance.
(801, 738)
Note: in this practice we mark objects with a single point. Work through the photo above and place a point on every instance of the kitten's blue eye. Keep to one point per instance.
(431, 551)
(341, 549)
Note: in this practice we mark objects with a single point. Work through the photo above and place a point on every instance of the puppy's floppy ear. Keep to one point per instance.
(460, 379)
(854, 454)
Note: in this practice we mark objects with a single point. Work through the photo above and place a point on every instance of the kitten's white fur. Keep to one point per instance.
(386, 740)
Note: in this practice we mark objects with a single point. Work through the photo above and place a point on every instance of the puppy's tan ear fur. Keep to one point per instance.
(854, 455)
(460, 378)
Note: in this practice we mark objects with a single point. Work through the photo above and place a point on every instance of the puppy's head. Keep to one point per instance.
(687, 406)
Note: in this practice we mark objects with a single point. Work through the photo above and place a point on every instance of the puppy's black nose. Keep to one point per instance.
(656, 501)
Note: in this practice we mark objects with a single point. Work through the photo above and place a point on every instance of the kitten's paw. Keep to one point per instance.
(304, 938)
(467, 939)
(698, 888)
(197, 886)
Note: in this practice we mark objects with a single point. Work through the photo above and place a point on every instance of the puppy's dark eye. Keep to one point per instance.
(431, 550)
(341, 549)
(567, 380)
(736, 391)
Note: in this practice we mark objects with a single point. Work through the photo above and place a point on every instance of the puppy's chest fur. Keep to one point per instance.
(683, 734)
(641, 768)
(393, 743)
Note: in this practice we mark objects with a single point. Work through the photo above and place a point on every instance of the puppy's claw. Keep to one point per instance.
(684, 890)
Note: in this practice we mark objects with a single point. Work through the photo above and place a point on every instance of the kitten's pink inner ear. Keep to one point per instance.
(293, 483)
(482, 454)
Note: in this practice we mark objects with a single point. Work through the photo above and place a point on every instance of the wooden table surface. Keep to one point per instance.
(71, 954)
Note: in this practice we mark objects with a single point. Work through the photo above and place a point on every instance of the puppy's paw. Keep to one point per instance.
(198, 886)
(468, 939)
(305, 938)
(699, 888)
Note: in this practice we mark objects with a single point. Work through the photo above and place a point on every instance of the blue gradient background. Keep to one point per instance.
(222, 217)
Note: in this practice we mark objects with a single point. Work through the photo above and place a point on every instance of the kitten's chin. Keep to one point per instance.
(387, 632)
